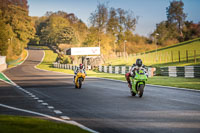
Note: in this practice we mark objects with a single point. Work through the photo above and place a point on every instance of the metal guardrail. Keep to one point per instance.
(171, 71)
(106, 69)
(3, 64)
(123, 70)
(186, 71)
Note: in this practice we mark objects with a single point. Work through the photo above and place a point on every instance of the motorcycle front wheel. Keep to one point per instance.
(80, 83)
(140, 90)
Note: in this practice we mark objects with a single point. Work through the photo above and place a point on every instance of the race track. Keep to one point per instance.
(103, 105)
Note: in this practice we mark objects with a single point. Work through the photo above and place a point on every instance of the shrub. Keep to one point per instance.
(66, 60)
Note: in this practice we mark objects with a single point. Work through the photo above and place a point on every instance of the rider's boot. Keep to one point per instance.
(129, 85)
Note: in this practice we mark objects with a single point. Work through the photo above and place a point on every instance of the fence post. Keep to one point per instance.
(100, 68)
(116, 69)
(172, 71)
(110, 69)
(179, 58)
(123, 69)
(172, 55)
(189, 71)
(195, 56)
(187, 55)
(105, 69)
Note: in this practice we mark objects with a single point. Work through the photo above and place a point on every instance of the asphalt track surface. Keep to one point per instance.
(102, 105)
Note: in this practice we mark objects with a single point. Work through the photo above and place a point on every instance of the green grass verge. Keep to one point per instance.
(18, 124)
(191, 83)
(23, 56)
(4, 78)
(48, 60)
(180, 82)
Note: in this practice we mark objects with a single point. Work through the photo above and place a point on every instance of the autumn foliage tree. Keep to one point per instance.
(60, 27)
(110, 27)
(19, 27)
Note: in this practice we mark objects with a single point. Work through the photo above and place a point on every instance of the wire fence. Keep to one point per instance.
(171, 56)
(162, 57)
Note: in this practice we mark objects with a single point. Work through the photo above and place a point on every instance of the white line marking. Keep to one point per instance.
(40, 101)
(28, 93)
(57, 111)
(45, 104)
(36, 98)
(65, 117)
(6, 81)
(20, 88)
(50, 107)
(50, 117)
(33, 96)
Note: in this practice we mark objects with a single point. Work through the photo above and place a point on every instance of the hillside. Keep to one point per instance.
(181, 54)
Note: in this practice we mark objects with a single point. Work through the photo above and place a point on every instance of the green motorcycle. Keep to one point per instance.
(138, 83)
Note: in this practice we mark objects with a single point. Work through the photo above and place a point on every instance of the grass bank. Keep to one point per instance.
(181, 54)
(191, 83)
(18, 124)
(48, 60)
(181, 82)
(17, 62)
(2, 77)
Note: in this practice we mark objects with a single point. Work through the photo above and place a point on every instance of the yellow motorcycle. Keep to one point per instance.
(80, 77)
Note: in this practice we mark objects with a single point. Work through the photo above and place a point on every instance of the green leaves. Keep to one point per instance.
(4, 36)
(57, 28)
(17, 28)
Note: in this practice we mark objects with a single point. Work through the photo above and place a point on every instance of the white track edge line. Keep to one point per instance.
(50, 117)
(14, 84)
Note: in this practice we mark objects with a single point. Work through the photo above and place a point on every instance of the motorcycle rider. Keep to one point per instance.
(81, 67)
(137, 66)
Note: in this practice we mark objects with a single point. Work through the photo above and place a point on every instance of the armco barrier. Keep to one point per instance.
(3, 64)
(186, 71)
(197, 71)
(122, 70)
(172, 71)
(106, 69)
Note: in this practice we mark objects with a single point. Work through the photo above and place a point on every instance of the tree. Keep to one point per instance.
(191, 30)
(60, 27)
(112, 24)
(80, 31)
(19, 27)
(92, 37)
(99, 17)
(20, 22)
(115, 23)
(4, 36)
(175, 15)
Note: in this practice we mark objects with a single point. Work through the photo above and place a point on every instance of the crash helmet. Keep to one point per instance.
(138, 62)
(81, 66)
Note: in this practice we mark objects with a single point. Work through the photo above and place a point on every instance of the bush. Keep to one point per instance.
(66, 60)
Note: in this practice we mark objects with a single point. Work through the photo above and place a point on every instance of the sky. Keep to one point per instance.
(150, 12)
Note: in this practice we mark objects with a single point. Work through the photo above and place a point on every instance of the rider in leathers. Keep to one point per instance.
(137, 66)
(81, 67)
